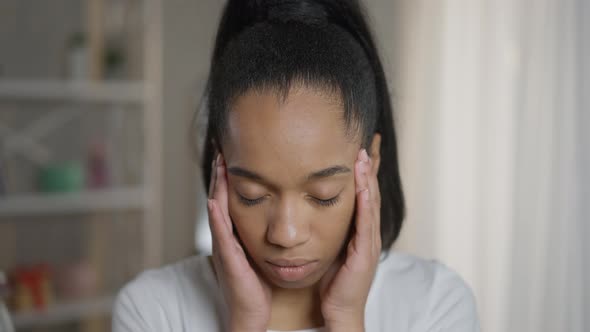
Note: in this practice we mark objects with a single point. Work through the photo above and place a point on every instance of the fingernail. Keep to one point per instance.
(364, 156)
(209, 204)
(218, 158)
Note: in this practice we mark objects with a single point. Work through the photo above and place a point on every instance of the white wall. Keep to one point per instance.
(189, 30)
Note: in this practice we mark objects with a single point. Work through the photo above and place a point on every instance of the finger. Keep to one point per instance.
(214, 245)
(217, 260)
(227, 248)
(213, 178)
(373, 184)
(364, 208)
(213, 229)
(218, 229)
(220, 190)
(361, 168)
(375, 162)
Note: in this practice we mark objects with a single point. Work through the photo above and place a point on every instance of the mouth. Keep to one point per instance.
(292, 269)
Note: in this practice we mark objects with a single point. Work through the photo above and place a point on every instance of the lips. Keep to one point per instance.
(292, 269)
(289, 262)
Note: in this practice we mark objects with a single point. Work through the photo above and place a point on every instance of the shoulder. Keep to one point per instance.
(158, 282)
(436, 296)
(157, 293)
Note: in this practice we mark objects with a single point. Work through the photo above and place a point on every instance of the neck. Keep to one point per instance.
(295, 309)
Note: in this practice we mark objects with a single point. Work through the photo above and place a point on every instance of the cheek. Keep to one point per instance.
(332, 230)
(249, 222)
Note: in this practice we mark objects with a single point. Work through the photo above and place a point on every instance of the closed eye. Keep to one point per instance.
(250, 202)
(327, 202)
(321, 202)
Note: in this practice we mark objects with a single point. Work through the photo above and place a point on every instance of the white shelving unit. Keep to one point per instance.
(73, 202)
(145, 95)
(82, 91)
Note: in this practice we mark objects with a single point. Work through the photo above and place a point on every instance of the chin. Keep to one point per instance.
(300, 284)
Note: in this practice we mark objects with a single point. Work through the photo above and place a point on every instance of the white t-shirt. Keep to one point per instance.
(408, 294)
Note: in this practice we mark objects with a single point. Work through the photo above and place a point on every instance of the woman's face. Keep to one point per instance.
(291, 182)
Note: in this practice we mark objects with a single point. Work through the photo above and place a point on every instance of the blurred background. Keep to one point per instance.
(98, 180)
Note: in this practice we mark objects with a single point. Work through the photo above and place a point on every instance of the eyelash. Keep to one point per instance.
(327, 202)
(322, 202)
(249, 202)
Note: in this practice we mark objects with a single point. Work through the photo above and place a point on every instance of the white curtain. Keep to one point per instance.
(494, 108)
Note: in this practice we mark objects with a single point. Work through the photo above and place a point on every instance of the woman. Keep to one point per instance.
(305, 198)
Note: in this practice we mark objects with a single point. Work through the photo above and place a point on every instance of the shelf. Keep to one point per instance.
(64, 312)
(72, 202)
(104, 91)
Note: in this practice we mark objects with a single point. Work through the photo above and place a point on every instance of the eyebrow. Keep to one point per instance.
(321, 174)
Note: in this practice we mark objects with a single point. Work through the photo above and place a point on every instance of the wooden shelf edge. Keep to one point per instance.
(100, 91)
(64, 312)
(72, 202)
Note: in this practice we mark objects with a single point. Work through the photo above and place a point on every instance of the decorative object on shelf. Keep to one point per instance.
(77, 57)
(75, 281)
(114, 63)
(98, 175)
(61, 177)
(34, 303)
(32, 286)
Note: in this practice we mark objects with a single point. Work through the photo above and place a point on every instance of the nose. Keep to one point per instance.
(287, 228)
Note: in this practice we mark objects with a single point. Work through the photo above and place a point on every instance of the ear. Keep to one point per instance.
(374, 152)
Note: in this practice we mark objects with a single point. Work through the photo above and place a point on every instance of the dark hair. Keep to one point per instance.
(272, 45)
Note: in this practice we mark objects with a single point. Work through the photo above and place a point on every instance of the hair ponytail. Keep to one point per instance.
(271, 43)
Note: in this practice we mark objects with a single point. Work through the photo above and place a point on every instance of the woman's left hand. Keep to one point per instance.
(344, 289)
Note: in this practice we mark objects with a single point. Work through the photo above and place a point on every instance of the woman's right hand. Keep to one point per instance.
(247, 295)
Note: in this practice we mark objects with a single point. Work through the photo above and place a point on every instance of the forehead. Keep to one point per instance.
(292, 138)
